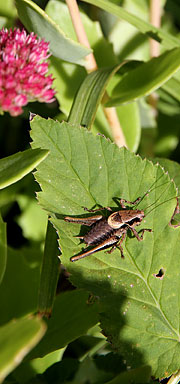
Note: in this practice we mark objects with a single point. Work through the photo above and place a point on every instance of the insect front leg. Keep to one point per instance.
(139, 238)
(122, 201)
(97, 209)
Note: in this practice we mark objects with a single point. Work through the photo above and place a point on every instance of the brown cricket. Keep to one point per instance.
(111, 231)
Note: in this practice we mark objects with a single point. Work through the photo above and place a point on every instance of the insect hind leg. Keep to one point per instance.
(118, 245)
(176, 211)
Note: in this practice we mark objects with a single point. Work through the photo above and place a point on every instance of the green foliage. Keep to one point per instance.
(34, 19)
(15, 167)
(137, 306)
(146, 78)
(17, 338)
(89, 97)
(7, 9)
(22, 274)
(72, 316)
(49, 273)
(107, 319)
(166, 39)
(3, 248)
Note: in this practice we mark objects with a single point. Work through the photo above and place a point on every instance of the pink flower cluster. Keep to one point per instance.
(23, 69)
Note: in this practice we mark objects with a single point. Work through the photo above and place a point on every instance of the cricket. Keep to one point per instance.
(110, 232)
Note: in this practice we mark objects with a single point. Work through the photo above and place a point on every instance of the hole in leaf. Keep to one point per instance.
(160, 274)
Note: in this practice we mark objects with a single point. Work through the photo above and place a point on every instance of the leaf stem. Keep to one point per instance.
(91, 65)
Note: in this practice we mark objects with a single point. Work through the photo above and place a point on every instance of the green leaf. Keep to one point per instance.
(172, 86)
(62, 372)
(72, 316)
(134, 44)
(39, 365)
(49, 272)
(138, 375)
(20, 283)
(36, 20)
(68, 77)
(7, 9)
(128, 115)
(15, 167)
(17, 338)
(171, 167)
(139, 310)
(130, 122)
(146, 77)
(86, 102)
(3, 248)
(29, 369)
(89, 96)
(33, 230)
(158, 34)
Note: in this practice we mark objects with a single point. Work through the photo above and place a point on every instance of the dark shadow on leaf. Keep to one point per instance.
(112, 315)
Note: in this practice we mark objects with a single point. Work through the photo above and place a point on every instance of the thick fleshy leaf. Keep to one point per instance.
(139, 312)
(36, 20)
(168, 40)
(89, 96)
(49, 272)
(3, 248)
(87, 100)
(146, 78)
(17, 338)
(15, 167)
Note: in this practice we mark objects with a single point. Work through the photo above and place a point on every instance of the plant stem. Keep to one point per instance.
(91, 65)
(155, 19)
(175, 379)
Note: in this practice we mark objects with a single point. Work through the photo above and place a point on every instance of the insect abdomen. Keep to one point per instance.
(100, 231)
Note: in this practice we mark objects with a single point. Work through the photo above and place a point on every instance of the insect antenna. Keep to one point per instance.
(151, 189)
(158, 198)
(174, 197)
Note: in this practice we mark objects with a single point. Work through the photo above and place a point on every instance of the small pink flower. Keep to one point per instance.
(23, 70)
